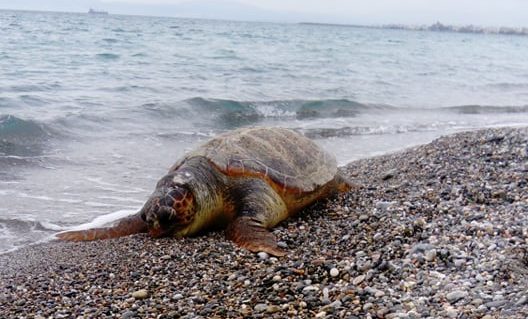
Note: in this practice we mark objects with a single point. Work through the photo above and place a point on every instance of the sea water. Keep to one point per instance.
(95, 109)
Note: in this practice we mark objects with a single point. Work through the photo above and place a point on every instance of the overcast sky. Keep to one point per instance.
(480, 12)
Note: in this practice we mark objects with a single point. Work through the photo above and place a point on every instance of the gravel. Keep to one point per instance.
(437, 231)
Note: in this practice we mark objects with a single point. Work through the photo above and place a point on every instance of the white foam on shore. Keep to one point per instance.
(10, 235)
(104, 220)
(51, 226)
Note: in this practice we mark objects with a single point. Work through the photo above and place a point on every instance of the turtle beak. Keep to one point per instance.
(159, 224)
(155, 230)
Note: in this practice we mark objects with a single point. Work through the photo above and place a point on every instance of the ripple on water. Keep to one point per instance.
(108, 56)
(110, 40)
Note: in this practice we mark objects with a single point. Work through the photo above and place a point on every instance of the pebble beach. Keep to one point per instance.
(436, 231)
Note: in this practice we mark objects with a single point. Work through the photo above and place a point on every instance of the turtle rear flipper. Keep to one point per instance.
(247, 233)
(127, 226)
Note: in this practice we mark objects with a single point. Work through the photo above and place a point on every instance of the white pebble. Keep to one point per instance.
(359, 279)
(334, 272)
(310, 288)
(177, 297)
(459, 263)
(430, 255)
(261, 307)
(325, 293)
(262, 255)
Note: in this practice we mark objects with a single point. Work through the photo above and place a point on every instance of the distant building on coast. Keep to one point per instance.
(439, 27)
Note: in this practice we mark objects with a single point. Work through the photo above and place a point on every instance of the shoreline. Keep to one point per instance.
(437, 230)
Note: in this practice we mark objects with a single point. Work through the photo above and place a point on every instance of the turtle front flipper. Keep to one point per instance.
(127, 226)
(259, 209)
(249, 234)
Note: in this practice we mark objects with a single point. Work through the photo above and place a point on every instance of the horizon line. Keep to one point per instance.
(389, 25)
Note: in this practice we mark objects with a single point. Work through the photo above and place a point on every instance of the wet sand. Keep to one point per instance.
(438, 231)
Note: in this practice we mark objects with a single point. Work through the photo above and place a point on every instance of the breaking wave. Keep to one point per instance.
(25, 137)
(16, 233)
(21, 139)
(225, 113)
(17, 128)
(232, 113)
(21, 225)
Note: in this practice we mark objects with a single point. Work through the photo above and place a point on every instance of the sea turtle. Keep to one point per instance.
(247, 180)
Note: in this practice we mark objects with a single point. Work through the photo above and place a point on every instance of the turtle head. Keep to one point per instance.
(170, 209)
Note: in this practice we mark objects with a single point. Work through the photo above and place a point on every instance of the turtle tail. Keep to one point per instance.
(127, 226)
